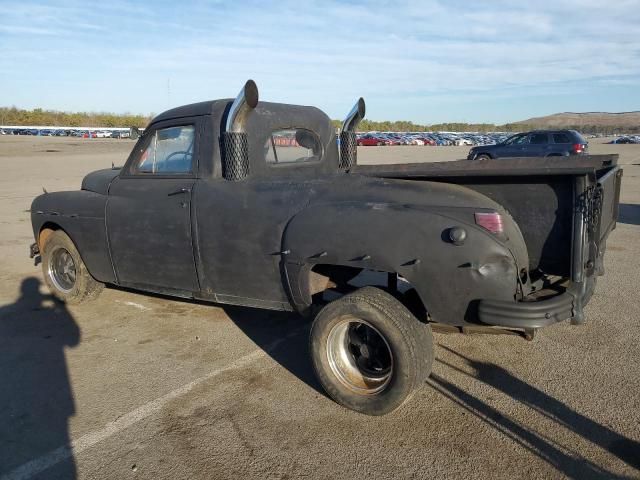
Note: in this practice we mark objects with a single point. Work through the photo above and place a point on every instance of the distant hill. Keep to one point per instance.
(623, 120)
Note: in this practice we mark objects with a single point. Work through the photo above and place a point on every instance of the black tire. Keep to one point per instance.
(387, 324)
(483, 156)
(64, 271)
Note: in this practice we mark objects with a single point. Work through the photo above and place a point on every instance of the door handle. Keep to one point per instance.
(178, 192)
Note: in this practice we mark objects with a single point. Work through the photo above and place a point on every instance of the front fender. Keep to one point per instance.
(410, 240)
(81, 215)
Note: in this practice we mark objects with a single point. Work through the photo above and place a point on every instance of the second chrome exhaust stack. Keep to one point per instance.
(235, 149)
(348, 142)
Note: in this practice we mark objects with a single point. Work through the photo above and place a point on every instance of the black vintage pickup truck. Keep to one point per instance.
(263, 204)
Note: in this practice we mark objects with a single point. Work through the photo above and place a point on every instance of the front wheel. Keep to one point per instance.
(483, 156)
(64, 271)
(369, 352)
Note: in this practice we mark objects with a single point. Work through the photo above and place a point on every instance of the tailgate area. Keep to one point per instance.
(608, 191)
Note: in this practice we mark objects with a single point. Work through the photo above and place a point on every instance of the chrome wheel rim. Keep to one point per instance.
(359, 356)
(62, 269)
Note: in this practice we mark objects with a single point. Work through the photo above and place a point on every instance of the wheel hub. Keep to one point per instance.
(62, 270)
(359, 356)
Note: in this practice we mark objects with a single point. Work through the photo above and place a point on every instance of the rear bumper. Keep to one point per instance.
(533, 314)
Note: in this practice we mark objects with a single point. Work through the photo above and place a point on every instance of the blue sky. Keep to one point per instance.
(425, 61)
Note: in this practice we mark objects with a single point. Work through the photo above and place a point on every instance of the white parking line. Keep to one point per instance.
(40, 464)
(134, 304)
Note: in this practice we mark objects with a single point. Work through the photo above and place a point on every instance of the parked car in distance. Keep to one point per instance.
(369, 140)
(428, 140)
(625, 140)
(538, 143)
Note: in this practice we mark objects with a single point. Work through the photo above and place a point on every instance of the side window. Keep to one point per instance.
(293, 145)
(169, 151)
(561, 138)
(538, 138)
(145, 162)
(515, 140)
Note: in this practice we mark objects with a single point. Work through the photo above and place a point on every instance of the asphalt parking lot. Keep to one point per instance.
(140, 386)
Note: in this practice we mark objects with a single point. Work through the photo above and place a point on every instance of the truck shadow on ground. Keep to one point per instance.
(629, 213)
(565, 460)
(284, 336)
(288, 331)
(37, 399)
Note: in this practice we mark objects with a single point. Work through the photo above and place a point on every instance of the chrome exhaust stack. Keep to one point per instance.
(244, 103)
(348, 143)
(235, 148)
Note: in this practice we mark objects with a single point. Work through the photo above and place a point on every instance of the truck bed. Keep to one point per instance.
(542, 195)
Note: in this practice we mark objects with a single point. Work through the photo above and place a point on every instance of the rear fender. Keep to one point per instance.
(412, 241)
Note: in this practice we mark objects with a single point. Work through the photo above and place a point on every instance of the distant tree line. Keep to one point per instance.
(406, 126)
(38, 116)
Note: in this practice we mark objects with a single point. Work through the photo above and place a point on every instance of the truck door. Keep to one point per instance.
(149, 211)
(241, 224)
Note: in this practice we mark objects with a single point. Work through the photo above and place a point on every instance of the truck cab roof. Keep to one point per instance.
(265, 127)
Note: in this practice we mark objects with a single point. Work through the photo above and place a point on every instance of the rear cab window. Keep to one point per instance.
(292, 146)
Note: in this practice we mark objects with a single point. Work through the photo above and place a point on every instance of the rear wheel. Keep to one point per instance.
(483, 156)
(64, 271)
(369, 352)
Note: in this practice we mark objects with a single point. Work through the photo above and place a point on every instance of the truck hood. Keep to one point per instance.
(100, 180)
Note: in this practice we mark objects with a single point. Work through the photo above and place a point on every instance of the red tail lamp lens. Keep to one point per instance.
(578, 148)
(491, 222)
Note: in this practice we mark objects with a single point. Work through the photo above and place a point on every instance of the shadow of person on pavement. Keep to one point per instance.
(572, 464)
(36, 398)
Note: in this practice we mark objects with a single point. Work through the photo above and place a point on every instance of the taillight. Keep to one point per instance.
(578, 148)
(491, 222)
